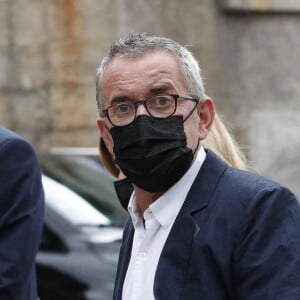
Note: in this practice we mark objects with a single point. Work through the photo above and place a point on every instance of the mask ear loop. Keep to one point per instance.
(191, 111)
(198, 144)
(196, 149)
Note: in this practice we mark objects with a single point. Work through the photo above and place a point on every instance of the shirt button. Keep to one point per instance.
(143, 253)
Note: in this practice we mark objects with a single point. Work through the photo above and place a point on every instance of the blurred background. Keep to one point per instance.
(249, 51)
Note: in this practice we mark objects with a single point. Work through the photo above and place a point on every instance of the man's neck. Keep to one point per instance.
(144, 199)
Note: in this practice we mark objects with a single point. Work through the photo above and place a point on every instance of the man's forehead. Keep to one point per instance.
(150, 57)
(139, 77)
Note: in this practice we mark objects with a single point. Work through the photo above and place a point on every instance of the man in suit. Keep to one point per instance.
(21, 217)
(199, 229)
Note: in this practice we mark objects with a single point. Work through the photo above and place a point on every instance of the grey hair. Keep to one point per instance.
(137, 44)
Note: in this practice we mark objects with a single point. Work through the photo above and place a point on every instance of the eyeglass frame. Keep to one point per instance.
(104, 113)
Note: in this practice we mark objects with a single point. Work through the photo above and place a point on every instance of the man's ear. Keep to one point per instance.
(105, 135)
(206, 112)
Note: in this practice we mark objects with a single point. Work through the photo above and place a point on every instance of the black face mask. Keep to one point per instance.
(152, 152)
(124, 190)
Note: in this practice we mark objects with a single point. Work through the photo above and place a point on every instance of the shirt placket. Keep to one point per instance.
(144, 235)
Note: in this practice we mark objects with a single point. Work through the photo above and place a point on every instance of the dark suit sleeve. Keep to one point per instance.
(21, 219)
(267, 259)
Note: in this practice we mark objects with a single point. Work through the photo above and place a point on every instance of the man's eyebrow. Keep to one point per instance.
(154, 90)
(161, 88)
(118, 98)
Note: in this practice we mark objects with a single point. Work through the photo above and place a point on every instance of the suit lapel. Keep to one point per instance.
(174, 261)
(124, 258)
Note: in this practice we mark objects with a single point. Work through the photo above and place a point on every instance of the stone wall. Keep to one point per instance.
(249, 52)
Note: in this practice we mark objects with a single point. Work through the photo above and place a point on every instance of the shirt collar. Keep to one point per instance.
(161, 208)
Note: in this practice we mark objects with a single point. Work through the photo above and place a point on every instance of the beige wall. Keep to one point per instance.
(50, 49)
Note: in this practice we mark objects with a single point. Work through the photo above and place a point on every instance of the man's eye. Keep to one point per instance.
(122, 108)
(162, 101)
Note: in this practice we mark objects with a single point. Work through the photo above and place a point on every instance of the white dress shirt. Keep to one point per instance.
(151, 232)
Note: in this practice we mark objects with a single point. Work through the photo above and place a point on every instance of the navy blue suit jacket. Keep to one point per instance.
(237, 236)
(21, 217)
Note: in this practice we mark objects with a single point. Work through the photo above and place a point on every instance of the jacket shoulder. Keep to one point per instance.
(249, 185)
(11, 142)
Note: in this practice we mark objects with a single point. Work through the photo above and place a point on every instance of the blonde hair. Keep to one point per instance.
(219, 140)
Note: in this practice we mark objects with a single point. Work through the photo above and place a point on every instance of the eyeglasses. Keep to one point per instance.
(158, 106)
